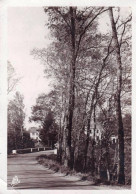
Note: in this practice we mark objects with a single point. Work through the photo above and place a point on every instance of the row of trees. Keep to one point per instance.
(92, 86)
(18, 137)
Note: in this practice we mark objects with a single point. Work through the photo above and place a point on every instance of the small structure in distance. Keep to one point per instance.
(34, 133)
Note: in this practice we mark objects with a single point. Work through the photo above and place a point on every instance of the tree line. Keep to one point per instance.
(17, 136)
(91, 95)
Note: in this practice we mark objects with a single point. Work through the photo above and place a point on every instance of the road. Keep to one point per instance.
(34, 176)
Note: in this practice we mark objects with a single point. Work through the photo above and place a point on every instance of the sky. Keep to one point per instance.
(26, 31)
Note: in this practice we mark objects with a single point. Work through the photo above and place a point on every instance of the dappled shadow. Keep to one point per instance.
(34, 176)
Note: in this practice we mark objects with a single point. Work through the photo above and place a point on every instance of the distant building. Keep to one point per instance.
(34, 133)
(97, 134)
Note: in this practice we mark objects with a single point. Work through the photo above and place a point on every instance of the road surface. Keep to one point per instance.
(34, 176)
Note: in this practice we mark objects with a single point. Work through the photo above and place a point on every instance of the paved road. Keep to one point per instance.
(35, 176)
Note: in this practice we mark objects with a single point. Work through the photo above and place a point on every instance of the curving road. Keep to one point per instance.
(34, 176)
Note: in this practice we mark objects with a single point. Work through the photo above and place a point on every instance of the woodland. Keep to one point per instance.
(88, 110)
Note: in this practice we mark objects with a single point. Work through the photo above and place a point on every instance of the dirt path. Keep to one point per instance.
(34, 176)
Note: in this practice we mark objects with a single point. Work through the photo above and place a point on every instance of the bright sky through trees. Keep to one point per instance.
(27, 30)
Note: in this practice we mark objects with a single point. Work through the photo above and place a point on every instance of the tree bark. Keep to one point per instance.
(88, 131)
(108, 160)
(93, 144)
(71, 104)
(59, 153)
(121, 174)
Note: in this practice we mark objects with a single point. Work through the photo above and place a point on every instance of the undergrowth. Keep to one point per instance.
(50, 161)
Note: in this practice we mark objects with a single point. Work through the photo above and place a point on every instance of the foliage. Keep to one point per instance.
(16, 118)
(49, 130)
(43, 113)
(27, 141)
(14, 141)
(83, 63)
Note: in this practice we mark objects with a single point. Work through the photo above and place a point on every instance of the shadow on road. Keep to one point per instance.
(34, 176)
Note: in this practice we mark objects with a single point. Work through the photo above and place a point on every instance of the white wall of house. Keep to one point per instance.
(34, 135)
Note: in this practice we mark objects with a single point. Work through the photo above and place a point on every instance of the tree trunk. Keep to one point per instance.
(108, 175)
(88, 132)
(99, 162)
(93, 145)
(76, 151)
(59, 153)
(71, 91)
(108, 160)
(121, 175)
(86, 145)
(64, 159)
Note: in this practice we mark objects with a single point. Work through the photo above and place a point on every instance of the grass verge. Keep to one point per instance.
(50, 161)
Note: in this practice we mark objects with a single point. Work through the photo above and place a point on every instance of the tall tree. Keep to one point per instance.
(69, 26)
(81, 61)
(49, 131)
(121, 174)
(16, 118)
(43, 113)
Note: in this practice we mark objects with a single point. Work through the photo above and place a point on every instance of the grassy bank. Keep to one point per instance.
(50, 161)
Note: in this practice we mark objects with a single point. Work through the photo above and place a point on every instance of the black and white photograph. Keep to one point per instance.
(69, 97)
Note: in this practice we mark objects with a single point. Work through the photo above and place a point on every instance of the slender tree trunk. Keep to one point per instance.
(59, 153)
(121, 174)
(64, 159)
(108, 160)
(86, 145)
(64, 135)
(71, 91)
(100, 161)
(108, 175)
(88, 132)
(93, 145)
(76, 150)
